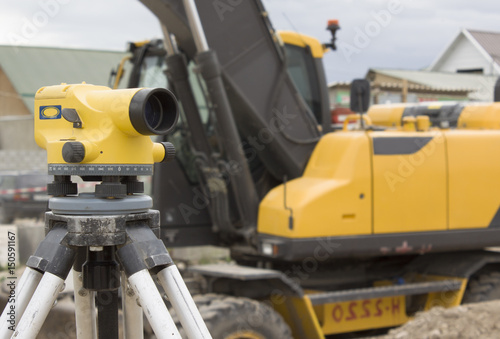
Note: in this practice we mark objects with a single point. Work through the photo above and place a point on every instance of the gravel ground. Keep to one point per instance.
(480, 320)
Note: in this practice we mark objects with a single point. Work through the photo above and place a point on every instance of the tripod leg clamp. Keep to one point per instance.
(143, 250)
(51, 255)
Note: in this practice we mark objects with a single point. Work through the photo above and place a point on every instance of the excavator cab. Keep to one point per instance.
(304, 61)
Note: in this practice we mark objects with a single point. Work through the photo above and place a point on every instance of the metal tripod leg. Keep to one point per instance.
(145, 252)
(39, 307)
(85, 314)
(55, 260)
(15, 308)
(178, 294)
(152, 303)
(132, 313)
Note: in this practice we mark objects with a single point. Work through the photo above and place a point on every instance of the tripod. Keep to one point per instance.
(111, 244)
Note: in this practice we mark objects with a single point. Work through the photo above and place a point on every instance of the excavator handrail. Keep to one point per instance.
(356, 117)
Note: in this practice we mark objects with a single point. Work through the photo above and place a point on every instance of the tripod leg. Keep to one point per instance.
(17, 304)
(152, 303)
(143, 252)
(84, 309)
(178, 294)
(132, 312)
(43, 299)
(55, 260)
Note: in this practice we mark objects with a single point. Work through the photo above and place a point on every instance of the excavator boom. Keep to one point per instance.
(272, 118)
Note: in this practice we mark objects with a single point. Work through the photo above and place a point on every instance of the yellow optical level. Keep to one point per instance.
(93, 130)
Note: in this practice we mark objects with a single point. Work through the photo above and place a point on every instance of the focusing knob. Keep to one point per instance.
(73, 152)
(169, 151)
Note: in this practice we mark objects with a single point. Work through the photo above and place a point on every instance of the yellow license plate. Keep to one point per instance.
(360, 315)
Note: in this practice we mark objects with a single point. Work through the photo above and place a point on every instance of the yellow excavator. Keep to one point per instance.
(332, 232)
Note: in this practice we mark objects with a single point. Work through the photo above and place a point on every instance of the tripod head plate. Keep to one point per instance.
(88, 204)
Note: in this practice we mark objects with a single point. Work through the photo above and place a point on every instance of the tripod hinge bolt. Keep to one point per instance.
(83, 292)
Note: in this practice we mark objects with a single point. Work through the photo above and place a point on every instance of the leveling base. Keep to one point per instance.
(111, 244)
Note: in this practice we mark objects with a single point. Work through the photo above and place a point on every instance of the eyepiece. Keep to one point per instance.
(153, 111)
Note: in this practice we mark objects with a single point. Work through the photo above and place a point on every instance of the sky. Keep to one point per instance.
(402, 34)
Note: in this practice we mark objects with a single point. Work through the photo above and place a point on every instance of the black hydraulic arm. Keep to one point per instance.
(207, 168)
(267, 110)
(237, 167)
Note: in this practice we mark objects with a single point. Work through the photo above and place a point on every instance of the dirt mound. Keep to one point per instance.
(480, 320)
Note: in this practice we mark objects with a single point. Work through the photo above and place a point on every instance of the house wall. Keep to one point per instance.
(392, 97)
(464, 55)
(16, 133)
(10, 101)
(18, 150)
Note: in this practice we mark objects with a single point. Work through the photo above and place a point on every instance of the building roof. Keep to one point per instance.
(486, 43)
(490, 41)
(339, 84)
(480, 86)
(29, 68)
